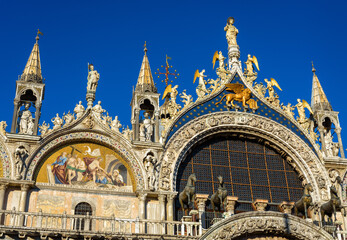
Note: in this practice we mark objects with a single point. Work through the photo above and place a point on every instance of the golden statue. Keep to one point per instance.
(241, 94)
(249, 65)
(300, 106)
(218, 56)
(231, 31)
(270, 85)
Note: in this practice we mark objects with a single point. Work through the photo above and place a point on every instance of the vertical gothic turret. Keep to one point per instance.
(327, 120)
(145, 105)
(29, 95)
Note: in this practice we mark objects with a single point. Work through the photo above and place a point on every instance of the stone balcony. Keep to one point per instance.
(43, 225)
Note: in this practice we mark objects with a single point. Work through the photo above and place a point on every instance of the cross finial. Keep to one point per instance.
(313, 69)
(37, 36)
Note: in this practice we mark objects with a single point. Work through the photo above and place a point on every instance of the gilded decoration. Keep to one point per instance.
(39, 157)
(85, 164)
(298, 154)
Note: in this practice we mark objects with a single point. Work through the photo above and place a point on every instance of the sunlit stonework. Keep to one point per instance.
(229, 160)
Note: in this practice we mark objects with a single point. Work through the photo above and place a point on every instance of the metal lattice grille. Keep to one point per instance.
(250, 171)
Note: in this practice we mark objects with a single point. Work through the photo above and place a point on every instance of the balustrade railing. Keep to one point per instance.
(80, 224)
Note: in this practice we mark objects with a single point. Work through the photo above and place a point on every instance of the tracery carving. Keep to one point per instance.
(309, 166)
(263, 223)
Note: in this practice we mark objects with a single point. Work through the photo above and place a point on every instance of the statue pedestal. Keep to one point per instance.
(90, 97)
(260, 204)
(187, 218)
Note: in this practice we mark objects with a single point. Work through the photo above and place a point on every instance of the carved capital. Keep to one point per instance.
(231, 202)
(260, 204)
(3, 186)
(171, 196)
(286, 207)
(142, 196)
(161, 198)
(201, 201)
(338, 130)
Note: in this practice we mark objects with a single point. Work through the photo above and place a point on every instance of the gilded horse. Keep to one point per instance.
(219, 198)
(305, 201)
(188, 194)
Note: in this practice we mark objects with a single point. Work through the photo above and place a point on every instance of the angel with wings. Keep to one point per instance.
(300, 106)
(270, 87)
(201, 88)
(249, 70)
(218, 56)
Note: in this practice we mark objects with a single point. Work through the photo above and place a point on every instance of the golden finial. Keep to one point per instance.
(38, 33)
(313, 69)
(145, 47)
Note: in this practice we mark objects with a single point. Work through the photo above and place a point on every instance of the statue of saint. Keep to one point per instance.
(231, 31)
(26, 120)
(115, 124)
(57, 121)
(79, 110)
(201, 88)
(97, 109)
(148, 125)
(301, 111)
(93, 78)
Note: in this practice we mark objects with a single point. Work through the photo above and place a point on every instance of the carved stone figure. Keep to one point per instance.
(127, 133)
(44, 129)
(186, 99)
(231, 31)
(97, 109)
(57, 122)
(304, 202)
(272, 98)
(21, 154)
(148, 125)
(215, 84)
(3, 126)
(249, 70)
(93, 78)
(26, 120)
(187, 196)
(142, 132)
(288, 110)
(151, 166)
(68, 118)
(219, 198)
(332, 148)
(106, 119)
(201, 90)
(300, 106)
(79, 110)
(331, 207)
(115, 124)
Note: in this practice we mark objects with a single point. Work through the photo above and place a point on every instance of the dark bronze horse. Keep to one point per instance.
(304, 202)
(219, 198)
(331, 207)
(188, 194)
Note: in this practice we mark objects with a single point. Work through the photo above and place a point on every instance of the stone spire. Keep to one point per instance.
(145, 81)
(32, 70)
(319, 100)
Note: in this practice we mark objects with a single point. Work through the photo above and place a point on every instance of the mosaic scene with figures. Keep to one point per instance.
(227, 161)
(85, 164)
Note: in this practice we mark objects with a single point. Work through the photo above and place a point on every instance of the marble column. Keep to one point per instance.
(137, 125)
(162, 198)
(322, 137)
(23, 196)
(170, 211)
(15, 116)
(37, 116)
(338, 133)
(156, 131)
(231, 202)
(3, 187)
(201, 202)
(142, 210)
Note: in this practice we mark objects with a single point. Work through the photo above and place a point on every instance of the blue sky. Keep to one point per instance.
(285, 36)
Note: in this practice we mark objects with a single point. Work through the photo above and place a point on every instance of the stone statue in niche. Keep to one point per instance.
(79, 110)
(148, 127)
(332, 148)
(26, 124)
(151, 166)
(21, 154)
(93, 78)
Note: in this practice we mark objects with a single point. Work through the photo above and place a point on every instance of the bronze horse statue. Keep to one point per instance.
(219, 198)
(305, 201)
(332, 206)
(188, 194)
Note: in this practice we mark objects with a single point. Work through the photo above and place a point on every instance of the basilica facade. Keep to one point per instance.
(229, 162)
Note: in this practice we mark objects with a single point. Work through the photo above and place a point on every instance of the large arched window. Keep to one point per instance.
(250, 169)
(82, 208)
